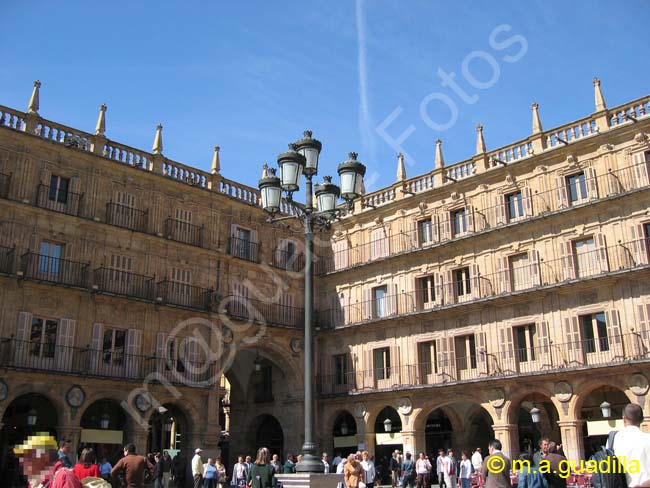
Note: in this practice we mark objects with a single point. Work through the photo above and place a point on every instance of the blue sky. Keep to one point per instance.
(251, 76)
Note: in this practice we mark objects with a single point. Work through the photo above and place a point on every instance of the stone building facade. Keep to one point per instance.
(461, 304)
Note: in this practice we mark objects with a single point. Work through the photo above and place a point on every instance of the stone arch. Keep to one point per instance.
(372, 414)
(265, 430)
(519, 413)
(591, 385)
(511, 406)
(55, 397)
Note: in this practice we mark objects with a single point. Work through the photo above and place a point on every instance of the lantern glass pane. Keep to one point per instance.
(326, 202)
(347, 184)
(311, 154)
(290, 174)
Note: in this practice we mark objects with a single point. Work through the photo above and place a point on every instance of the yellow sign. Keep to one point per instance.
(97, 436)
(385, 439)
(603, 427)
(345, 441)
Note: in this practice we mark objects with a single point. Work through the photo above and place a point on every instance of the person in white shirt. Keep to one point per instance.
(239, 472)
(449, 469)
(465, 471)
(197, 468)
(326, 464)
(633, 445)
(369, 472)
(440, 463)
(422, 468)
(477, 460)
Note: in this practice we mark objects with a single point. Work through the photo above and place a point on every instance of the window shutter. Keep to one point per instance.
(392, 300)
(367, 376)
(507, 349)
(614, 336)
(471, 220)
(574, 346)
(476, 281)
(449, 287)
(534, 268)
(133, 345)
(561, 192)
(367, 306)
(601, 253)
(438, 288)
(500, 209)
(161, 341)
(643, 329)
(451, 354)
(442, 359)
(445, 225)
(590, 180)
(505, 274)
(639, 245)
(65, 344)
(96, 347)
(543, 345)
(481, 353)
(566, 253)
(22, 337)
(640, 169)
(435, 229)
(528, 201)
(395, 368)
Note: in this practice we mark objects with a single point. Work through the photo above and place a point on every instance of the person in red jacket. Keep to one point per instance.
(86, 466)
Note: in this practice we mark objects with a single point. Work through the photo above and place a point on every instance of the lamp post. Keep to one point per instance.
(302, 159)
(104, 421)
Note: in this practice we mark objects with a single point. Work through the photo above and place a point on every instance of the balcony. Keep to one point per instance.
(568, 356)
(263, 312)
(180, 231)
(600, 262)
(5, 180)
(123, 283)
(612, 184)
(243, 249)
(7, 259)
(109, 363)
(64, 202)
(294, 262)
(184, 295)
(40, 267)
(127, 217)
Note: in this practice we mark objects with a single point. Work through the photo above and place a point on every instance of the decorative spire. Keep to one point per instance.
(598, 94)
(157, 142)
(537, 123)
(34, 100)
(480, 142)
(401, 170)
(101, 121)
(440, 161)
(216, 163)
(265, 170)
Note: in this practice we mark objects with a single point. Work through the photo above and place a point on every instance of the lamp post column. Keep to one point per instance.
(310, 462)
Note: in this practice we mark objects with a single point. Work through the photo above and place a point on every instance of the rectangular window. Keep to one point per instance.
(525, 337)
(174, 358)
(50, 258)
(514, 206)
(114, 346)
(42, 337)
(380, 301)
(378, 244)
(59, 189)
(426, 291)
(466, 351)
(576, 187)
(340, 369)
(425, 231)
(586, 258)
(520, 271)
(381, 359)
(593, 330)
(459, 221)
(426, 357)
(462, 282)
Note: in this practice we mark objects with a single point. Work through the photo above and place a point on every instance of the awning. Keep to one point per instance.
(98, 436)
(386, 439)
(603, 427)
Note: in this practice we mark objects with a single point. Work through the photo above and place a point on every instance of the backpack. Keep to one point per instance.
(65, 478)
(610, 478)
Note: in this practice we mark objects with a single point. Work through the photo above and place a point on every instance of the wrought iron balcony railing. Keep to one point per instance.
(7, 255)
(127, 217)
(105, 363)
(263, 312)
(178, 230)
(243, 249)
(443, 228)
(5, 181)
(447, 292)
(51, 198)
(184, 295)
(447, 369)
(288, 261)
(54, 270)
(123, 283)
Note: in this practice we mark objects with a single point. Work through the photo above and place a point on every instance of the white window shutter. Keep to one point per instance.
(368, 304)
(481, 353)
(438, 289)
(504, 272)
(527, 197)
(643, 314)
(395, 368)
(614, 336)
(534, 268)
(543, 345)
(442, 358)
(435, 228)
(96, 346)
(639, 245)
(601, 253)
(592, 184)
(507, 347)
(561, 192)
(21, 346)
(450, 296)
(475, 279)
(574, 346)
(500, 209)
(445, 227)
(640, 169)
(451, 354)
(65, 344)
(471, 219)
(567, 257)
(133, 346)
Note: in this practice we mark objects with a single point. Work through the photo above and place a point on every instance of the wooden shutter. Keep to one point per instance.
(450, 296)
(22, 337)
(534, 268)
(96, 347)
(592, 186)
(504, 274)
(451, 354)
(567, 258)
(367, 305)
(475, 280)
(442, 358)
(471, 221)
(65, 343)
(435, 228)
(133, 346)
(392, 300)
(500, 209)
(161, 343)
(527, 201)
(445, 225)
(574, 346)
(438, 289)
(255, 246)
(507, 349)
(481, 353)
(639, 245)
(640, 169)
(601, 253)
(395, 369)
(614, 335)
(640, 340)
(544, 357)
(367, 376)
(561, 192)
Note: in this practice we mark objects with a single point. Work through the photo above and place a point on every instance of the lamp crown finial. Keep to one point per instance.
(353, 156)
(307, 134)
(327, 179)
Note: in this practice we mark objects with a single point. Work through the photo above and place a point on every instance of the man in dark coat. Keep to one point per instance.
(496, 467)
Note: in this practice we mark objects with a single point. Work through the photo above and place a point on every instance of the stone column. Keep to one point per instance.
(409, 442)
(508, 434)
(139, 437)
(572, 438)
(73, 434)
(645, 425)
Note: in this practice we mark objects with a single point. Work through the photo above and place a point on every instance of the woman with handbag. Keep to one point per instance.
(353, 473)
(261, 474)
(221, 473)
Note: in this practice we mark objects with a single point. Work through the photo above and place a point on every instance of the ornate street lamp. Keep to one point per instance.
(168, 424)
(344, 428)
(31, 418)
(257, 363)
(606, 409)
(388, 425)
(302, 158)
(104, 420)
(536, 415)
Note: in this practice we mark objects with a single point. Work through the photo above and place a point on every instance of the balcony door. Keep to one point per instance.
(49, 261)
